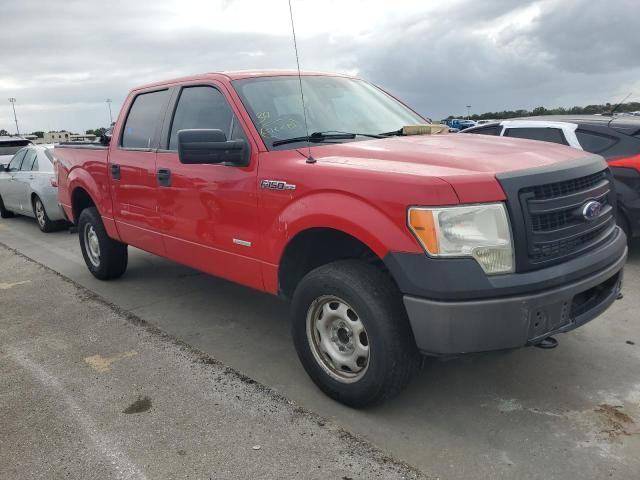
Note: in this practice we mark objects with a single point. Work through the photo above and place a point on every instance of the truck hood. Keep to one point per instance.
(469, 163)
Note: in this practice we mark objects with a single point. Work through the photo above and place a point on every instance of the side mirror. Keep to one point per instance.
(4, 168)
(210, 147)
(105, 138)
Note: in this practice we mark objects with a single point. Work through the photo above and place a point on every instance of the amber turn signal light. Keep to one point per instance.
(423, 227)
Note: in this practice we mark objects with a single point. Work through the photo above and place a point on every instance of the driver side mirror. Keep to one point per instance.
(210, 146)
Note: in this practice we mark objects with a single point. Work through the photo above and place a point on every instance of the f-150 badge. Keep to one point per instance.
(277, 185)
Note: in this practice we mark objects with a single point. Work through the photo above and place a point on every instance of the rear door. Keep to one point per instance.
(22, 180)
(209, 212)
(132, 170)
(8, 184)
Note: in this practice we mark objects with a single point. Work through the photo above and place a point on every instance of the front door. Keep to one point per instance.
(132, 170)
(209, 212)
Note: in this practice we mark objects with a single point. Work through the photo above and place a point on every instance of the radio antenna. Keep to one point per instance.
(310, 159)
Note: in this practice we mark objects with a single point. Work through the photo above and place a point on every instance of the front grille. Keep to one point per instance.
(554, 224)
(567, 187)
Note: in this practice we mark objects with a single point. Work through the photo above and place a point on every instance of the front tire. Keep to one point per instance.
(352, 334)
(106, 258)
(4, 213)
(44, 222)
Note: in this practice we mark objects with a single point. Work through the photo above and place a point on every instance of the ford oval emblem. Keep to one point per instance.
(591, 210)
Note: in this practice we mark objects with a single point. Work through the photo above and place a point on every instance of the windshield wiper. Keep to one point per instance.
(326, 135)
(391, 134)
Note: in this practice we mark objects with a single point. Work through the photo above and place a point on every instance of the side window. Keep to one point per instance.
(17, 160)
(593, 142)
(203, 107)
(144, 114)
(553, 135)
(493, 130)
(27, 163)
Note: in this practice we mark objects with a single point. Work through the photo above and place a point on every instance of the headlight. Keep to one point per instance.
(478, 231)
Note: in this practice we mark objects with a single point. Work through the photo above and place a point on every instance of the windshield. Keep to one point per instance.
(334, 104)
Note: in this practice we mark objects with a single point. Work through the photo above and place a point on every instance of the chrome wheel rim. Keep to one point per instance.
(338, 339)
(92, 245)
(40, 215)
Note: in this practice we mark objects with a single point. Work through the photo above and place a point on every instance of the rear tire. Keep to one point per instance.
(4, 213)
(106, 258)
(352, 334)
(44, 223)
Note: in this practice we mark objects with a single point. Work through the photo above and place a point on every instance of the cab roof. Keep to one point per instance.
(239, 75)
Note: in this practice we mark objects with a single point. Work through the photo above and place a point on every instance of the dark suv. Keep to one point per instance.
(617, 139)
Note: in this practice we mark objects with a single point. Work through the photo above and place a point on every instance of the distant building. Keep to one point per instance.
(63, 136)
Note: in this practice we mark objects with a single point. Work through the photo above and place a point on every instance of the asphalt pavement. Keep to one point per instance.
(572, 412)
(90, 392)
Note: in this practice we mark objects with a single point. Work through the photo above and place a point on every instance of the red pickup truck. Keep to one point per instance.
(388, 245)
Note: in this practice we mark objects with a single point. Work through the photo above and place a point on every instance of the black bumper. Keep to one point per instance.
(465, 310)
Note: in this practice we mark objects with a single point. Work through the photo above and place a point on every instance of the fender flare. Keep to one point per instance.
(355, 217)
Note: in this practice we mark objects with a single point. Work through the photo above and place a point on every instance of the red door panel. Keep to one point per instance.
(209, 218)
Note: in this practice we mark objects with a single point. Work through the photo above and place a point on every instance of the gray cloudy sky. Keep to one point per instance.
(62, 59)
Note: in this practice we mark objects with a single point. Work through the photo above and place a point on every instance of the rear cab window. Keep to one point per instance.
(140, 127)
(543, 134)
(11, 147)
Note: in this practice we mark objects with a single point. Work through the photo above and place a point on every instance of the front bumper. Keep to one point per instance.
(443, 327)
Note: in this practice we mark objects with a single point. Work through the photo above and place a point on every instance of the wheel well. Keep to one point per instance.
(80, 200)
(315, 247)
(33, 197)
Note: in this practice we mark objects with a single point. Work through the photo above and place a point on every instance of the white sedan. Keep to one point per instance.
(26, 187)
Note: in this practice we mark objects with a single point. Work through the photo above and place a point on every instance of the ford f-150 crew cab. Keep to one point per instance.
(388, 245)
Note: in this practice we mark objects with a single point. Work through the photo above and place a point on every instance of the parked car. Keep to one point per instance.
(459, 123)
(9, 146)
(617, 139)
(26, 187)
(388, 245)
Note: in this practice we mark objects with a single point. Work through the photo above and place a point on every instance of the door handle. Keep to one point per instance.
(164, 177)
(115, 171)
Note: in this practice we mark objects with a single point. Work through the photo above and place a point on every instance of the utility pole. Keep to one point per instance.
(468, 111)
(110, 115)
(12, 101)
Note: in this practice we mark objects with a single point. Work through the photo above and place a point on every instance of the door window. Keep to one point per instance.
(15, 162)
(593, 142)
(553, 135)
(144, 114)
(492, 130)
(29, 158)
(203, 108)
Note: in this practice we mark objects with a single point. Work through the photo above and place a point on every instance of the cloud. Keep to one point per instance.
(62, 60)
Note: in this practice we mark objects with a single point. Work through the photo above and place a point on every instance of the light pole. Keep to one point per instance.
(468, 111)
(12, 101)
(110, 115)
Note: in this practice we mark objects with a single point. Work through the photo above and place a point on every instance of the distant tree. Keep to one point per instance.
(99, 131)
(3, 133)
(38, 134)
(90, 132)
(576, 110)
